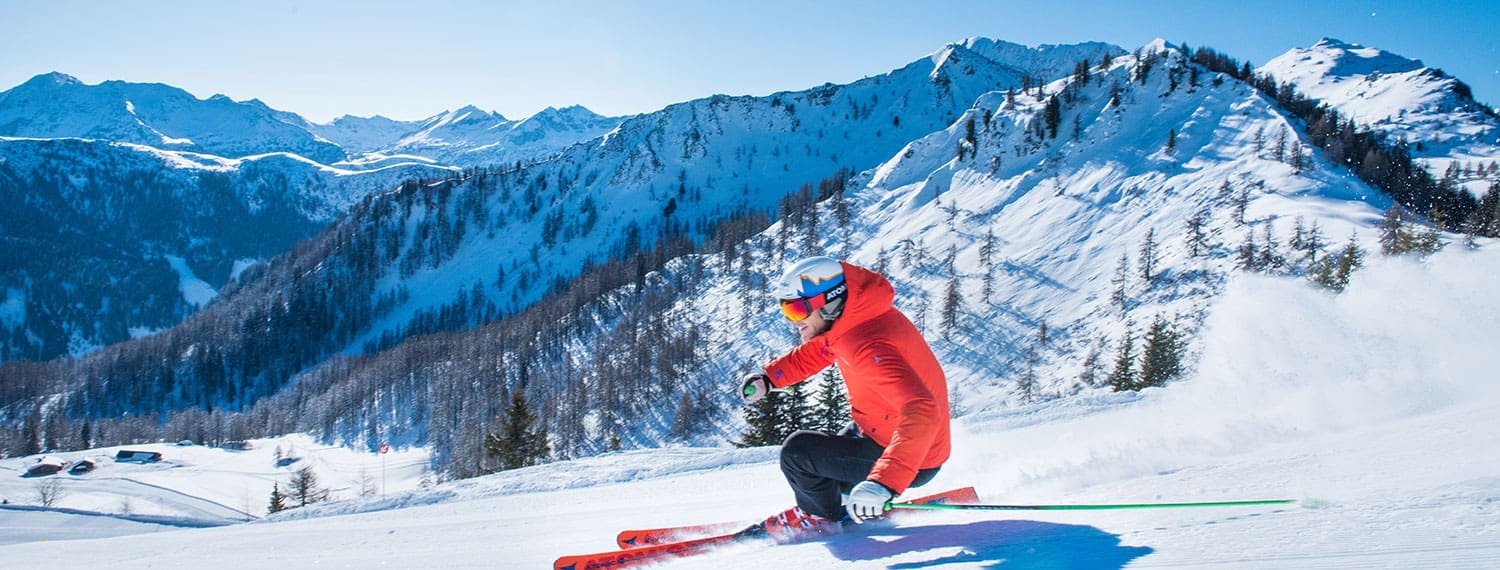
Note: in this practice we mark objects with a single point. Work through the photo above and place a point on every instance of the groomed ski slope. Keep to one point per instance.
(1376, 409)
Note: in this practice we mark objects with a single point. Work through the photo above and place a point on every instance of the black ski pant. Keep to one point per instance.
(821, 468)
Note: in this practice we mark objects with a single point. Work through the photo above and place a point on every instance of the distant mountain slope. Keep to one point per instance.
(106, 183)
(59, 106)
(360, 135)
(105, 240)
(472, 137)
(1403, 99)
(56, 105)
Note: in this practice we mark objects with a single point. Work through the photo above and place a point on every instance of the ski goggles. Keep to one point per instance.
(797, 309)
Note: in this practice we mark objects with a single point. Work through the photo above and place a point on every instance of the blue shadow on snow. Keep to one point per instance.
(991, 544)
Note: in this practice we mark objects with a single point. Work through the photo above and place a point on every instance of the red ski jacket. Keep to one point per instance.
(897, 391)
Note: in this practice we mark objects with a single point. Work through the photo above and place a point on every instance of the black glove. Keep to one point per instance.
(754, 387)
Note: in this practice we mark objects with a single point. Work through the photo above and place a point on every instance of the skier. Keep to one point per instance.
(898, 396)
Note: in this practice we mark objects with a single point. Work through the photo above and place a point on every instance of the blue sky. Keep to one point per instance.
(410, 60)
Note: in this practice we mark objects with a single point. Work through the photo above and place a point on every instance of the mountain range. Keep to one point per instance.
(649, 153)
(1034, 207)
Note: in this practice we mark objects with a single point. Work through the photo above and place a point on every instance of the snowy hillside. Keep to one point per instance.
(92, 225)
(1401, 98)
(1063, 212)
(1372, 412)
(687, 166)
(101, 178)
(192, 486)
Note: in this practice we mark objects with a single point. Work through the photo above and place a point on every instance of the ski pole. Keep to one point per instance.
(1095, 507)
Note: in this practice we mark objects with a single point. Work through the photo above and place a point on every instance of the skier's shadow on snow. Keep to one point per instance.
(991, 544)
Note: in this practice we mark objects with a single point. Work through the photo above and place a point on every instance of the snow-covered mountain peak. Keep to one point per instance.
(569, 114)
(1370, 84)
(1158, 45)
(55, 79)
(1398, 97)
(470, 114)
(1044, 61)
(1339, 58)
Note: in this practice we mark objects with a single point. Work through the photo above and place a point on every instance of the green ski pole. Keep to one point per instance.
(1095, 507)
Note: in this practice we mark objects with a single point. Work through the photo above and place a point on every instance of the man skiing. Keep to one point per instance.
(898, 397)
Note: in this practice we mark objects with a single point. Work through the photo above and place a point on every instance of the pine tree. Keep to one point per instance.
(691, 411)
(952, 304)
(305, 488)
(1241, 204)
(1428, 241)
(1197, 237)
(1052, 116)
(1333, 271)
(987, 265)
(832, 411)
(1090, 374)
(1298, 233)
(1119, 294)
(1313, 243)
(1026, 383)
(522, 442)
(1123, 378)
(1149, 257)
(775, 417)
(278, 499)
(764, 420)
(1393, 237)
(1247, 255)
(1162, 358)
(1399, 237)
(799, 412)
(1488, 214)
(1270, 257)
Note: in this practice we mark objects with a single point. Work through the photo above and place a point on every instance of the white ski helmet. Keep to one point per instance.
(819, 279)
(809, 277)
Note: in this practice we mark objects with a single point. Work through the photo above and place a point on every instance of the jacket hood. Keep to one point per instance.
(870, 295)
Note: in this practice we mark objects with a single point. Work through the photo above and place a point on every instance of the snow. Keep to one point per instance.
(195, 291)
(1372, 410)
(13, 307)
(198, 486)
(240, 265)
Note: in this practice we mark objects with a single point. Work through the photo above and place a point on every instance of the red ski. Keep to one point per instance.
(645, 554)
(659, 551)
(647, 537)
